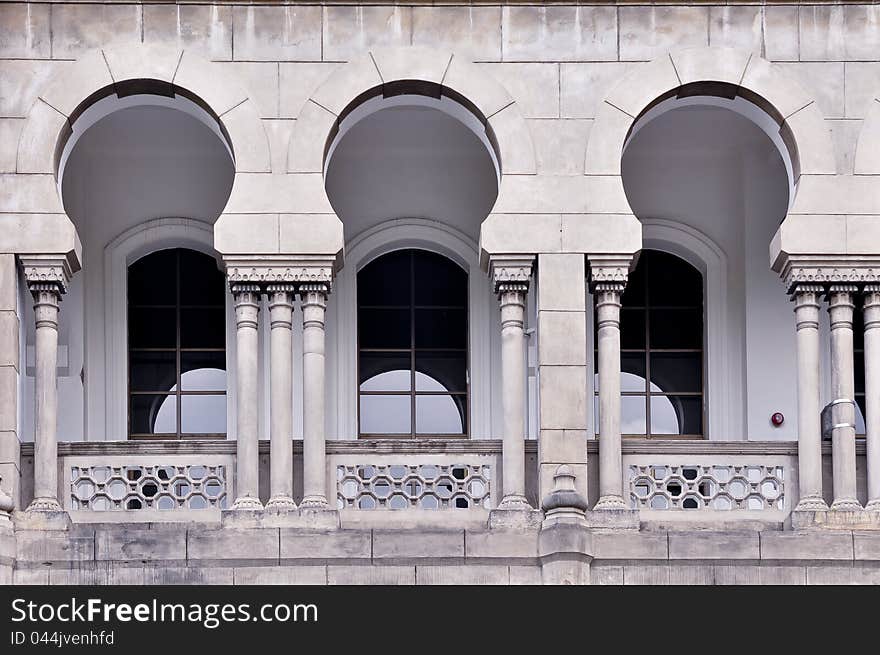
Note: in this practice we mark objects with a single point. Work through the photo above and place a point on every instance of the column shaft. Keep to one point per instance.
(843, 440)
(610, 456)
(247, 312)
(809, 423)
(872, 393)
(281, 405)
(513, 383)
(46, 299)
(314, 305)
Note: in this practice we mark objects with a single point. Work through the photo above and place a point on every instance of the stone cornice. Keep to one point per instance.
(44, 271)
(511, 272)
(825, 270)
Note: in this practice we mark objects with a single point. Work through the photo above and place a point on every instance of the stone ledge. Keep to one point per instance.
(714, 545)
(818, 546)
(835, 520)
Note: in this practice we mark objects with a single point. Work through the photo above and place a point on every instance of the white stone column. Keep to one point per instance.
(806, 298)
(843, 440)
(247, 313)
(872, 393)
(314, 305)
(512, 296)
(47, 295)
(610, 456)
(281, 406)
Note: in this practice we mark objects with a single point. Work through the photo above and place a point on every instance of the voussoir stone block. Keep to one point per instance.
(514, 140)
(142, 62)
(712, 64)
(22, 81)
(121, 542)
(411, 63)
(583, 86)
(261, 79)
(814, 146)
(298, 81)
(232, 544)
(44, 130)
(782, 91)
(714, 545)
(341, 544)
(249, 142)
(207, 80)
(480, 84)
(644, 84)
(534, 86)
(308, 141)
(404, 544)
(806, 546)
(346, 83)
(70, 86)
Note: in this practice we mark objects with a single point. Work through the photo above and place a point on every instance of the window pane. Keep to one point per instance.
(152, 279)
(386, 280)
(153, 414)
(384, 328)
(633, 415)
(632, 329)
(676, 328)
(386, 414)
(152, 371)
(439, 281)
(203, 414)
(385, 372)
(440, 414)
(632, 372)
(673, 282)
(441, 371)
(634, 292)
(676, 415)
(152, 328)
(203, 371)
(860, 415)
(441, 328)
(203, 328)
(201, 282)
(676, 372)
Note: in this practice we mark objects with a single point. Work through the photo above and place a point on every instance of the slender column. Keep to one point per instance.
(314, 305)
(247, 314)
(872, 393)
(806, 311)
(843, 439)
(513, 391)
(610, 456)
(281, 409)
(46, 295)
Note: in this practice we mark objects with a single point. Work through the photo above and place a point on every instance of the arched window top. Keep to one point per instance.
(176, 346)
(412, 346)
(661, 334)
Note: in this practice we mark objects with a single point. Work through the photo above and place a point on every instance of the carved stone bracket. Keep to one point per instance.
(46, 272)
(609, 272)
(511, 272)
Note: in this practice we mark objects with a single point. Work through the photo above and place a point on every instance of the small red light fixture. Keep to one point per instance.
(777, 419)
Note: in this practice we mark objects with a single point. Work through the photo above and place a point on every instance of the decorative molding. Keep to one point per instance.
(825, 270)
(46, 272)
(511, 272)
(301, 269)
(610, 272)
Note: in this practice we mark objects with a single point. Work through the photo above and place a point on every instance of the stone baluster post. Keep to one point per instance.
(806, 298)
(314, 305)
(843, 440)
(281, 408)
(872, 393)
(247, 312)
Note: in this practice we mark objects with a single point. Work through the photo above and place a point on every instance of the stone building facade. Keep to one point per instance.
(439, 293)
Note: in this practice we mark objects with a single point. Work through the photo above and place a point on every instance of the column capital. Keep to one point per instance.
(841, 288)
(824, 270)
(280, 269)
(800, 290)
(609, 272)
(46, 272)
(511, 272)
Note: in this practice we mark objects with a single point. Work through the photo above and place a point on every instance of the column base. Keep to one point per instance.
(611, 503)
(314, 502)
(247, 504)
(873, 505)
(811, 504)
(515, 501)
(613, 519)
(835, 520)
(846, 505)
(41, 519)
(515, 518)
(281, 503)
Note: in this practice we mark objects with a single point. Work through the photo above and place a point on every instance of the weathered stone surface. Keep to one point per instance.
(560, 145)
(555, 274)
(525, 575)
(21, 81)
(473, 31)
(121, 542)
(563, 401)
(25, 32)
(205, 28)
(563, 336)
(806, 546)
(630, 546)
(824, 81)
(501, 544)
(737, 27)
(862, 86)
(714, 545)
(77, 28)
(77, 545)
(559, 33)
(233, 544)
(604, 574)
(280, 575)
(471, 574)
(845, 135)
(781, 39)
(350, 30)
(583, 86)
(647, 32)
(261, 81)
(266, 33)
(371, 575)
(353, 544)
(401, 544)
(563, 446)
(534, 86)
(866, 546)
(298, 81)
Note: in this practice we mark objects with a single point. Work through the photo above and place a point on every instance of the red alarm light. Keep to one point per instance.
(777, 419)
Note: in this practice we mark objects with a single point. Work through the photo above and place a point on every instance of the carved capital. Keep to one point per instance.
(280, 269)
(46, 273)
(511, 273)
(609, 272)
(825, 270)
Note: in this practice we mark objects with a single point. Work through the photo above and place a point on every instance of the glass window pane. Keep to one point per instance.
(152, 371)
(441, 414)
(634, 292)
(203, 328)
(441, 328)
(633, 415)
(632, 329)
(203, 414)
(152, 328)
(203, 371)
(384, 328)
(673, 282)
(632, 372)
(676, 415)
(386, 280)
(385, 372)
(676, 328)
(153, 414)
(672, 372)
(441, 371)
(439, 281)
(152, 279)
(201, 282)
(860, 415)
(385, 414)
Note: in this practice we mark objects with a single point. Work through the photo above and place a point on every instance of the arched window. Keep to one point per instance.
(176, 346)
(412, 346)
(661, 339)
